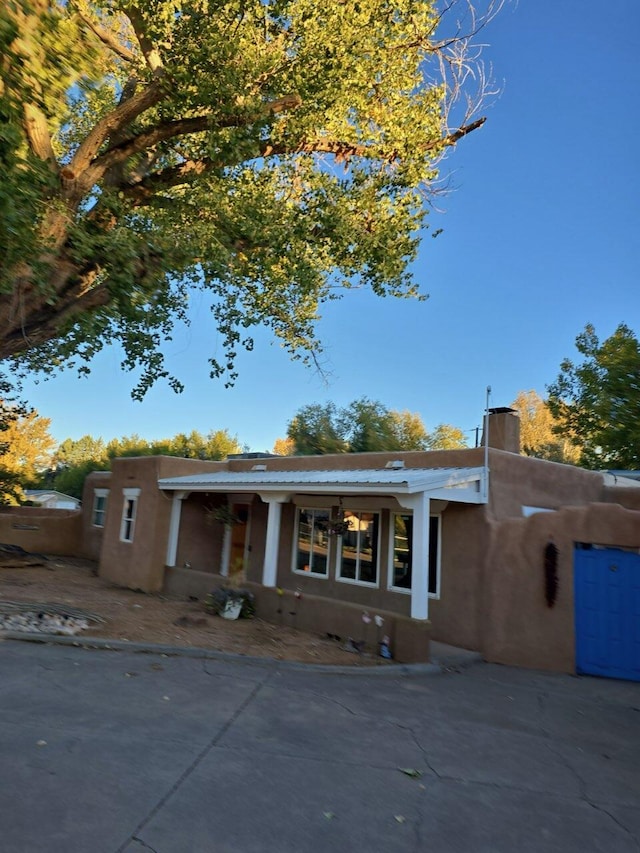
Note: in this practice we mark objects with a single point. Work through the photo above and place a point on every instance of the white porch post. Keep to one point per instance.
(270, 569)
(174, 527)
(420, 557)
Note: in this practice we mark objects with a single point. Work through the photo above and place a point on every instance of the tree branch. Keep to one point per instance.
(344, 150)
(35, 125)
(39, 326)
(149, 51)
(184, 127)
(105, 36)
(456, 136)
(118, 118)
(173, 176)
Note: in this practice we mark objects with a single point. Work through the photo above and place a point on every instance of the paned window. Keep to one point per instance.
(358, 548)
(402, 552)
(312, 542)
(99, 507)
(129, 510)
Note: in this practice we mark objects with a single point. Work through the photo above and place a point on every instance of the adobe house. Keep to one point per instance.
(473, 547)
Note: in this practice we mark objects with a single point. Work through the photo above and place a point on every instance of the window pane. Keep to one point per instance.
(433, 554)
(128, 519)
(402, 554)
(359, 547)
(313, 541)
(99, 510)
(402, 550)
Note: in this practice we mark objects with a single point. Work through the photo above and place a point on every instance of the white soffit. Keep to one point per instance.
(458, 483)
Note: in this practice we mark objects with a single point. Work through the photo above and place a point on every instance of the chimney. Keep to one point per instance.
(504, 429)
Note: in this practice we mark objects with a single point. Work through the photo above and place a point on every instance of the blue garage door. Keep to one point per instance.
(607, 594)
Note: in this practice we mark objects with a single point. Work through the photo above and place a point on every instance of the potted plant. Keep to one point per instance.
(230, 603)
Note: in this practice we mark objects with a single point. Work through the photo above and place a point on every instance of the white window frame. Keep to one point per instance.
(356, 580)
(99, 494)
(294, 555)
(129, 521)
(401, 589)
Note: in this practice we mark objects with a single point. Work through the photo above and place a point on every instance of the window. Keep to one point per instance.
(401, 539)
(312, 542)
(358, 548)
(129, 514)
(99, 507)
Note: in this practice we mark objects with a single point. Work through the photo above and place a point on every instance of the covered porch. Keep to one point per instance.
(412, 493)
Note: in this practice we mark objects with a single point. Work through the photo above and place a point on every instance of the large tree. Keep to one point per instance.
(364, 426)
(270, 151)
(10, 411)
(539, 435)
(29, 445)
(596, 400)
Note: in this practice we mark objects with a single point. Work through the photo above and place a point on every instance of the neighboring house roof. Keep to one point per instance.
(457, 484)
(625, 476)
(51, 498)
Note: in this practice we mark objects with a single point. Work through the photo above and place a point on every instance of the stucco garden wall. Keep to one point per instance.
(409, 638)
(43, 531)
(519, 627)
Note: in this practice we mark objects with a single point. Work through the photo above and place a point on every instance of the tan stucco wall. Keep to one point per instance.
(200, 541)
(42, 531)
(140, 564)
(518, 626)
(92, 536)
(455, 615)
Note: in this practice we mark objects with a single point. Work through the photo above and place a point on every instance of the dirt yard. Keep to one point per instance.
(137, 617)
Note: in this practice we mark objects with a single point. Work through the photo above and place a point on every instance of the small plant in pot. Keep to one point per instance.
(231, 603)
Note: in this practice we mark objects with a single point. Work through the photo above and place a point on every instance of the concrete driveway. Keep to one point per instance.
(107, 752)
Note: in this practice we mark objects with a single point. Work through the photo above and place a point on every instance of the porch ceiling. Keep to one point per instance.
(462, 485)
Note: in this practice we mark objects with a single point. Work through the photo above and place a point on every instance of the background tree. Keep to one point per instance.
(269, 152)
(215, 445)
(10, 410)
(317, 429)
(370, 426)
(446, 437)
(284, 447)
(410, 432)
(596, 401)
(72, 461)
(78, 451)
(131, 445)
(538, 436)
(28, 445)
(76, 458)
(364, 426)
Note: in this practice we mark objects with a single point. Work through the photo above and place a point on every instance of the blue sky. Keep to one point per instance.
(540, 238)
